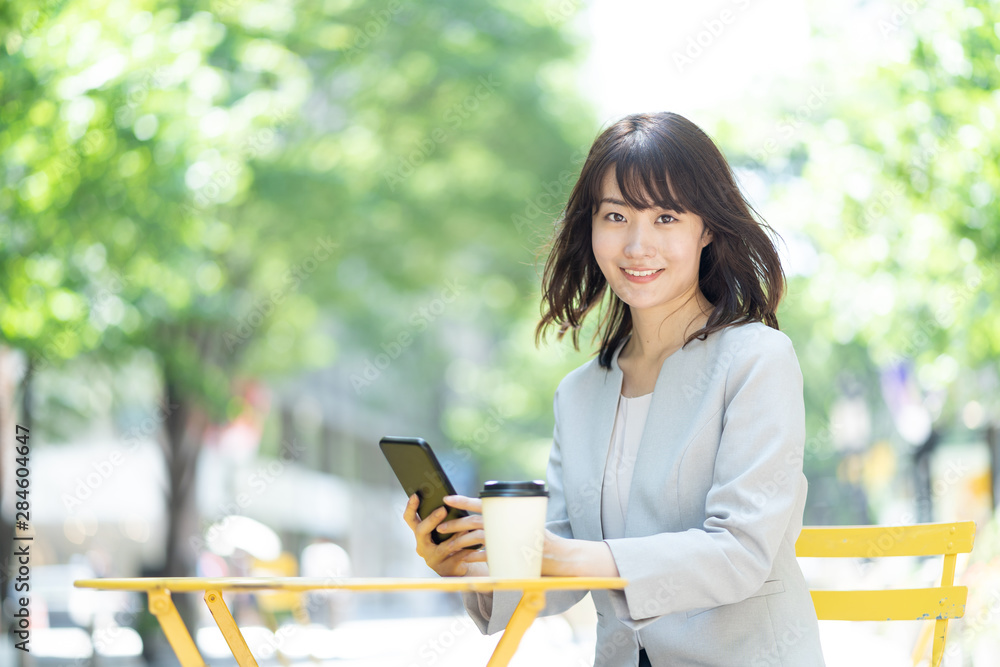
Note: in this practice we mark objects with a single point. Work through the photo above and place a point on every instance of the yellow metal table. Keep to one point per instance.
(161, 605)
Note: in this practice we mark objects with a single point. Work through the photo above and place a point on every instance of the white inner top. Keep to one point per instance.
(629, 423)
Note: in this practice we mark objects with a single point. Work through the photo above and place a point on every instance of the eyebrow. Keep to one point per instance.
(619, 202)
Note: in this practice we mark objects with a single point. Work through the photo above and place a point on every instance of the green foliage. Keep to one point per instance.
(916, 232)
(257, 187)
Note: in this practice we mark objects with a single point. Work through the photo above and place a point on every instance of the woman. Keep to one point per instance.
(677, 452)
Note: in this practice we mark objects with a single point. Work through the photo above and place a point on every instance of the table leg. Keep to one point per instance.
(524, 615)
(180, 640)
(226, 623)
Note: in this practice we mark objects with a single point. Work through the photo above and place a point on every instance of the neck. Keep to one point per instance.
(658, 334)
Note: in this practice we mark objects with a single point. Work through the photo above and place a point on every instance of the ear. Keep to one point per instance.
(706, 236)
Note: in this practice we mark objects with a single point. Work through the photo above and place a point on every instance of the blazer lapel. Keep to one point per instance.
(601, 420)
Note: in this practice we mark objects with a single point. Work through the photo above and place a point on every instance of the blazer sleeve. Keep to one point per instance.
(492, 611)
(755, 490)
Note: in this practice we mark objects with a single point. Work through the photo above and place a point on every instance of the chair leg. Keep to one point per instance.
(940, 634)
(920, 649)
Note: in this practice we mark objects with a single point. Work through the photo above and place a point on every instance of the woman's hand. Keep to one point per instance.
(450, 558)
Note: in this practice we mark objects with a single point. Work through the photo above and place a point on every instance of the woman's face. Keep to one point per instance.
(627, 240)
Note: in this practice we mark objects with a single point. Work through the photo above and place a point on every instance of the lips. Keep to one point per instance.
(641, 279)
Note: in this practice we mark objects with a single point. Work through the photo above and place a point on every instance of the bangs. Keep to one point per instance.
(641, 169)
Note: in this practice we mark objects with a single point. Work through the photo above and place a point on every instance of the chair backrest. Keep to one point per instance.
(939, 604)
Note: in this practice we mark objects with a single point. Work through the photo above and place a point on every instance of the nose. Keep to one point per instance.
(637, 243)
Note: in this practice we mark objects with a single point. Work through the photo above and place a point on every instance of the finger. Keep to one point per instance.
(451, 563)
(467, 539)
(410, 511)
(466, 556)
(465, 503)
(475, 556)
(457, 552)
(471, 522)
(425, 527)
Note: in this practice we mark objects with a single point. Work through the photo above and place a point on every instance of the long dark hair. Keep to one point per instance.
(740, 272)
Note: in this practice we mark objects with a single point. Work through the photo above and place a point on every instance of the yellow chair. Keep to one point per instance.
(284, 565)
(939, 604)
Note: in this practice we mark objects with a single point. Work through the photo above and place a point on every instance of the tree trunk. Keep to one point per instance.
(184, 428)
(922, 482)
(993, 443)
(7, 426)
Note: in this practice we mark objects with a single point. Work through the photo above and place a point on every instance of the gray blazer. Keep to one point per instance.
(713, 514)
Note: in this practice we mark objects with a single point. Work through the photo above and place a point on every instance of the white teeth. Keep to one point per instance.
(641, 273)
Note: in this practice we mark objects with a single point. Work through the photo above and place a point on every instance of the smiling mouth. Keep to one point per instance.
(641, 274)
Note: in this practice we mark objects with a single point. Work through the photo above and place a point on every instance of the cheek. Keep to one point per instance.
(600, 247)
(685, 251)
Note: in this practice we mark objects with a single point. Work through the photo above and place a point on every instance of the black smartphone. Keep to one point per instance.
(418, 470)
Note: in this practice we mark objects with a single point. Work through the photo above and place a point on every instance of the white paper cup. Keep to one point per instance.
(514, 522)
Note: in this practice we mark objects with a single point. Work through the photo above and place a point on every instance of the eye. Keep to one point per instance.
(666, 218)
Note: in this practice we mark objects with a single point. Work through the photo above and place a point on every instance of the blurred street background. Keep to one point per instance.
(242, 240)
